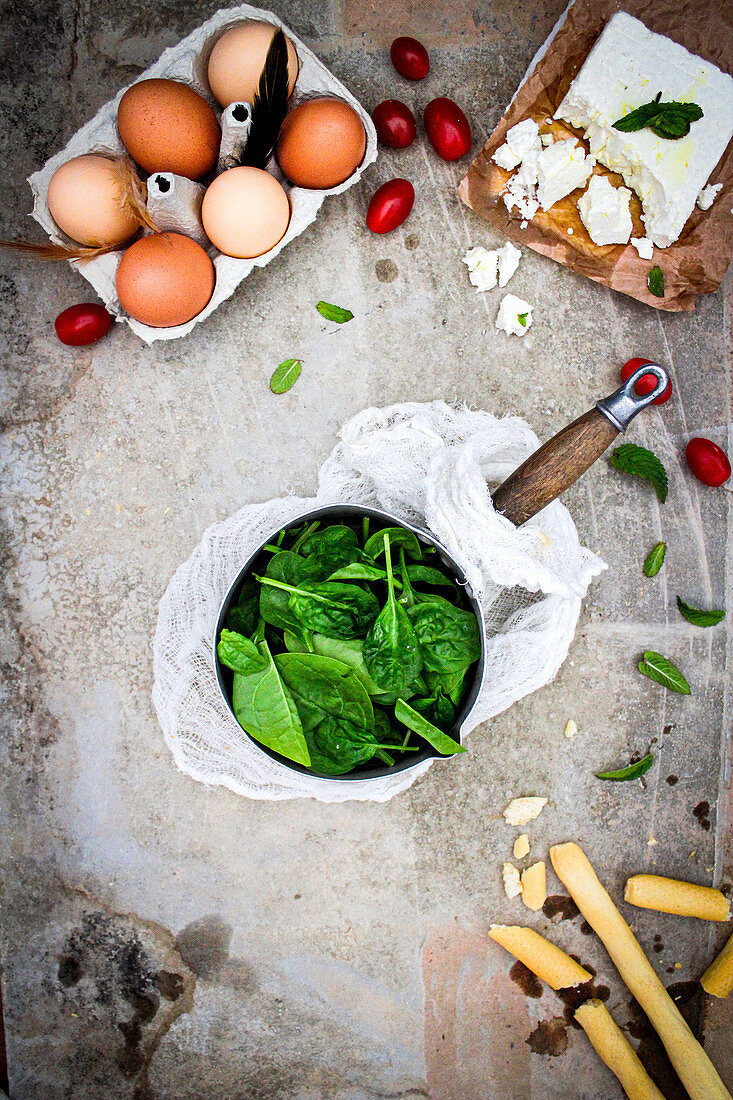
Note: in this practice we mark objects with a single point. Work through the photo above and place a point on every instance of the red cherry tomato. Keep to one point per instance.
(390, 205)
(646, 383)
(395, 124)
(410, 58)
(707, 461)
(83, 324)
(447, 128)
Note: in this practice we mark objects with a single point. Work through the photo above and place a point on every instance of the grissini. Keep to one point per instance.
(670, 895)
(718, 978)
(612, 1046)
(693, 1067)
(540, 956)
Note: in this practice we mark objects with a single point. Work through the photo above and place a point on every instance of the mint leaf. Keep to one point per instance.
(334, 313)
(666, 120)
(522, 318)
(655, 282)
(699, 618)
(285, 376)
(663, 672)
(655, 560)
(631, 771)
(638, 461)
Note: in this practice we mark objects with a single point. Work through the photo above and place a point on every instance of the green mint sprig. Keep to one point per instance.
(662, 671)
(638, 461)
(631, 771)
(697, 617)
(667, 120)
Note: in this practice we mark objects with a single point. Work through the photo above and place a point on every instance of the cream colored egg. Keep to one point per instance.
(87, 200)
(238, 58)
(245, 212)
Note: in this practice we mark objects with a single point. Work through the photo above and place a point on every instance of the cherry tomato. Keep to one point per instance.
(395, 124)
(447, 128)
(410, 58)
(707, 461)
(647, 382)
(83, 324)
(390, 205)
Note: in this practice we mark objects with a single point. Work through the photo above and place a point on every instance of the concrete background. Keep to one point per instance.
(161, 940)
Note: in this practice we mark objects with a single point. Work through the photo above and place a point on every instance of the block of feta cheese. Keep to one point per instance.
(514, 318)
(626, 68)
(604, 211)
(562, 167)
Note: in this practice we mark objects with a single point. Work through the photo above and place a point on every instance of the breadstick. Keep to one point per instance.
(612, 1047)
(542, 957)
(669, 895)
(534, 888)
(718, 978)
(692, 1064)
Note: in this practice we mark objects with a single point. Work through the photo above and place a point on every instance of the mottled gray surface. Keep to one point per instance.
(163, 941)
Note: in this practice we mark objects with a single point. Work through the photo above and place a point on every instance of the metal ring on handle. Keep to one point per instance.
(622, 406)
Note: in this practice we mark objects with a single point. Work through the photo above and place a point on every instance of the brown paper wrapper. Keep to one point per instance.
(697, 262)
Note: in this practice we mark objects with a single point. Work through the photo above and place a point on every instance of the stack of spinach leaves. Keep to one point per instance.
(346, 646)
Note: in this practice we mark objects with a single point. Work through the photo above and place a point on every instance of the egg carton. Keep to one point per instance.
(188, 62)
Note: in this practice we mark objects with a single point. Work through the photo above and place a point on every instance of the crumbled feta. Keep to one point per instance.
(486, 267)
(524, 138)
(708, 195)
(515, 196)
(521, 811)
(508, 257)
(505, 158)
(627, 66)
(512, 881)
(483, 266)
(521, 846)
(643, 246)
(604, 211)
(562, 167)
(571, 729)
(546, 139)
(514, 318)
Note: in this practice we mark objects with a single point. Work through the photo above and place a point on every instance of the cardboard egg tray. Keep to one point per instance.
(188, 62)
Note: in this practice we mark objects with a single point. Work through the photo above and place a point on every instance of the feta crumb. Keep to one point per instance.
(521, 846)
(570, 230)
(505, 158)
(483, 266)
(546, 139)
(571, 729)
(524, 138)
(561, 168)
(512, 882)
(604, 211)
(521, 811)
(708, 195)
(508, 320)
(643, 246)
(508, 257)
(523, 224)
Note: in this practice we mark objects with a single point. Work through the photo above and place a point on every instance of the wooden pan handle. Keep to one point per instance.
(554, 467)
(558, 463)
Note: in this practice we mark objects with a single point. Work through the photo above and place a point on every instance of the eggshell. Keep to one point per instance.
(322, 142)
(238, 59)
(245, 212)
(86, 199)
(164, 280)
(166, 126)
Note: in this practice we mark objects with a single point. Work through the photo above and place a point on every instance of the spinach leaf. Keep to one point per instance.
(265, 708)
(414, 721)
(239, 653)
(437, 707)
(450, 683)
(448, 636)
(428, 574)
(301, 534)
(339, 610)
(391, 651)
(285, 567)
(407, 599)
(398, 536)
(356, 571)
(242, 617)
(324, 686)
(337, 746)
(338, 535)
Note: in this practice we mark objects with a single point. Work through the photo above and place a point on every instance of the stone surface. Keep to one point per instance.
(162, 941)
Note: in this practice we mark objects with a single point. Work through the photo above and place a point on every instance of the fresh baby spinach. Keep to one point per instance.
(340, 610)
(391, 650)
(414, 721)
(265, 708)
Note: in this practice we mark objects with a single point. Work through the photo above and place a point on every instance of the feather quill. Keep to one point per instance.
(269, 105)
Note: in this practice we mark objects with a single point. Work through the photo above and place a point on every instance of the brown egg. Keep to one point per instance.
(168, 127)
(321, 143)
(238, 58)
(245, 212)
(165, 280)
(86, 199)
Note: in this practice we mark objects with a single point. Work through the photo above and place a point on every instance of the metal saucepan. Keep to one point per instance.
(540, 479)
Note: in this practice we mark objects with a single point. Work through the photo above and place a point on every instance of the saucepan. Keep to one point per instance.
(542, 477)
